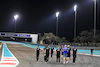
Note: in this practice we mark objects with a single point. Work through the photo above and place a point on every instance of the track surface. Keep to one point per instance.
(27, 58)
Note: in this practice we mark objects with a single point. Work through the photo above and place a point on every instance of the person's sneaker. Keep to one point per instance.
(73, 63)
(66, 62)
(63, 62)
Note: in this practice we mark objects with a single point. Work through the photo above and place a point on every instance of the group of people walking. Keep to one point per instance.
(61, 52)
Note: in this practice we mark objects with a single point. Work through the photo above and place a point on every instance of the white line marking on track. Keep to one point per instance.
(8, 61)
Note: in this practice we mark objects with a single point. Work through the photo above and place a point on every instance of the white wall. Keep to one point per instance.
(22, 35)
(34, 38)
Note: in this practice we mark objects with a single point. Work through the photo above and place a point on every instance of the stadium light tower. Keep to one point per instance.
(57, 15)
(94, 18)
(75, 10)
(15, 17)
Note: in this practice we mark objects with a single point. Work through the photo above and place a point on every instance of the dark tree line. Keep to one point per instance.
(50, 38)
(88, 36)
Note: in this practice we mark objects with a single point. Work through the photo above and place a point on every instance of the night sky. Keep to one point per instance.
(39, 16)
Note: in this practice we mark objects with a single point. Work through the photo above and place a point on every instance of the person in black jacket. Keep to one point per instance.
(47, 53)
(44, 53)
(52, 51)
(37, 52)
(58, 54)
(74, 54)
(69, 52)
(91, 50)
(62, 51)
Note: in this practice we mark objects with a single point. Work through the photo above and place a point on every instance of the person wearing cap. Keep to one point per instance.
(74, 54)
(69, 52)
(65, 50)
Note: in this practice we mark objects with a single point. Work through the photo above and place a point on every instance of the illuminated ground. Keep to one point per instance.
(27, 58)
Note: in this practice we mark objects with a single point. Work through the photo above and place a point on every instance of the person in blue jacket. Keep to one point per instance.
(65, 50)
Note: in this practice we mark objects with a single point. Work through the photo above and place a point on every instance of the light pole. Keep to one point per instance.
(57, 14)
(75, 7)
(15, 17)
(94, 18)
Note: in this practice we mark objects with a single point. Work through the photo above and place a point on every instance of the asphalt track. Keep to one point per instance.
(27, 58)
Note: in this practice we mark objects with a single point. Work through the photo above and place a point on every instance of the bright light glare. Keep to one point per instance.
(16, 16)
(75, 7)
(57, 14)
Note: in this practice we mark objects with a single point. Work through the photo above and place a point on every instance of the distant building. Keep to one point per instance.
(19, 37)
